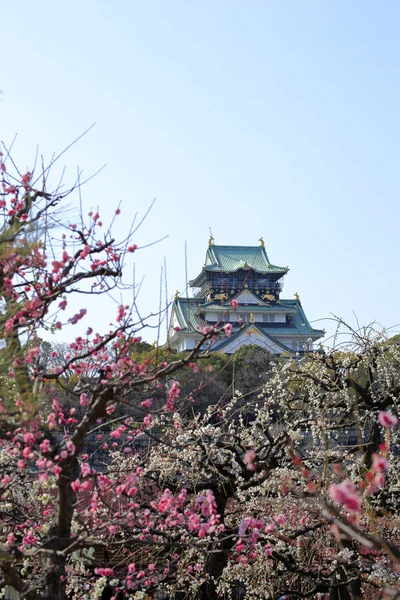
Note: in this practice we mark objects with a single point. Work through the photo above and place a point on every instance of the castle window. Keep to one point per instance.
(268, 318)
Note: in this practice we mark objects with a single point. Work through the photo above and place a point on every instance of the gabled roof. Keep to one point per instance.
(233, 258)
(248, 297)
(255, 308)
(243, 297)
(246, 331)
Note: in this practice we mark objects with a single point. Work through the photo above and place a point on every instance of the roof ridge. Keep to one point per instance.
(235, 246)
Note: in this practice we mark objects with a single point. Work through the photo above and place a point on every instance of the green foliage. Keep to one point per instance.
(251, 368)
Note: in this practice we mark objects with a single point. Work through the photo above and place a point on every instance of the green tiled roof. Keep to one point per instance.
(233, 258)
(301, 322)
(186, 312)
(187, 309)
(291, 331)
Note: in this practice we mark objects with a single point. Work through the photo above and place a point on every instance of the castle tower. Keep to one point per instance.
(242, 274)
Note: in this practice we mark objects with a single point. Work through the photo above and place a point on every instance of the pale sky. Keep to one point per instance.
(260, 118)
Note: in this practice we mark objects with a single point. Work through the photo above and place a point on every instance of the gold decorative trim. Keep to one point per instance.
(254, 331)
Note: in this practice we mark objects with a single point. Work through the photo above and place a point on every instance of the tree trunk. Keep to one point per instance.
(217, 561)
(59, 536)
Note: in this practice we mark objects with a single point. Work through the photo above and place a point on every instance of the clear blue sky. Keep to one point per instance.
(278, 119)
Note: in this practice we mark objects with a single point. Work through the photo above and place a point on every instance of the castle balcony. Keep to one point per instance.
(236, 284)
(240, 283)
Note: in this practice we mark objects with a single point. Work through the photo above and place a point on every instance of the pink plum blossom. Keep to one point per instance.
(346, 494)
(248, 458)
(387, 419)
(228, 329)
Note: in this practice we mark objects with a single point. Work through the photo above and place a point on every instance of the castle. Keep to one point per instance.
(239, 285)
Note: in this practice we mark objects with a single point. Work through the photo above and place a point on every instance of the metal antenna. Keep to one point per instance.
(166, 299)
(159, 310)
(186, 273)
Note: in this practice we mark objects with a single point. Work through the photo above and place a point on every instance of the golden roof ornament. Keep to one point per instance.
(176, 296)
(261, 242)
(210, 241)
(252, 319)
(297, 297)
